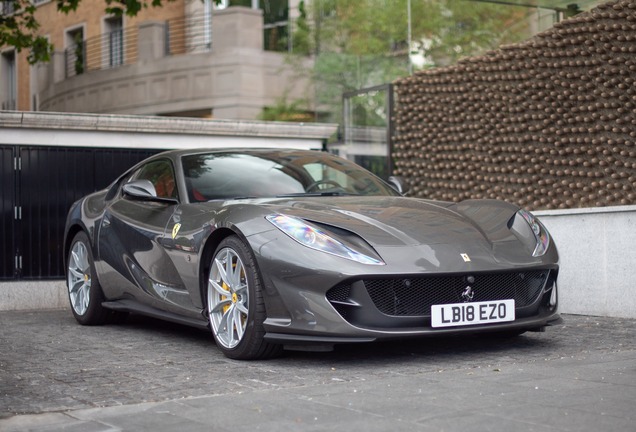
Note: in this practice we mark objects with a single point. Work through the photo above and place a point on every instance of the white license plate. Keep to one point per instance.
(460, 314)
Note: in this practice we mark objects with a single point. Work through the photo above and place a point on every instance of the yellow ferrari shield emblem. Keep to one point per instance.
(175, 230)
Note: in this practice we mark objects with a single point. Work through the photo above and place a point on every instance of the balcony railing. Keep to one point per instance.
(102, 52)
(183, 35)
(8, 105)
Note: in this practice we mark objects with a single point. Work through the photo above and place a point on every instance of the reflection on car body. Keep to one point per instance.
(275, 249)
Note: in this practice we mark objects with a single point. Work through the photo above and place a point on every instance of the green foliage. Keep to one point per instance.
(363, 43)
(20, 28)
(337, 73)
(468, 28)
(369, 109)
(79, 54)
(286, 111)
(302, 33)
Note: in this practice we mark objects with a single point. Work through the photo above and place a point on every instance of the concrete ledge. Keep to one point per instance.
(150, 132)
(159, 125)
(598, 270)
(29, 295)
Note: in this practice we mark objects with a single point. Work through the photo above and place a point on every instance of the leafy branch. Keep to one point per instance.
(20, 29)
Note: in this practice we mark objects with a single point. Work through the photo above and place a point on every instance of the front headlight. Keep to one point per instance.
(541, 235)
(315, 238)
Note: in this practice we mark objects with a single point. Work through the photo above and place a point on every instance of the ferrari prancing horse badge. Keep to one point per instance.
(175, 230)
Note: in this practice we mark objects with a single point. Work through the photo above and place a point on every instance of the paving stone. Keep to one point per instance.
(149, 375)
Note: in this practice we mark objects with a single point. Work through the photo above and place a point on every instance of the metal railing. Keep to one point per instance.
(107, 51)
(183, 35)
(8, 105)
(186, 35)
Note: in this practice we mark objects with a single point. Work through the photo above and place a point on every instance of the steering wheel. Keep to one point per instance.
(315, 185)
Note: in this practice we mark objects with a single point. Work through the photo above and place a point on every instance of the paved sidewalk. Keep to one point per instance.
(149, 375)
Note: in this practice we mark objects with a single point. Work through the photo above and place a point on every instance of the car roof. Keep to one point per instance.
(176, 154)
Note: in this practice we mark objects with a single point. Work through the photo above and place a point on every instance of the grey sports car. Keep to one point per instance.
(274, 249)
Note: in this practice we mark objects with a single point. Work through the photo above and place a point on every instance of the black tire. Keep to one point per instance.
(84, 292)
(243, 338)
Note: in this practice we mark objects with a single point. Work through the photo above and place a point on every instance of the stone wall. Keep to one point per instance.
(548, 123)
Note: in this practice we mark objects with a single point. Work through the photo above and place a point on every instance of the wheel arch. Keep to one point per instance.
(68, 239)
(211, 244)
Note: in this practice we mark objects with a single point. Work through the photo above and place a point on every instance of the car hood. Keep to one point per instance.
(398, 221)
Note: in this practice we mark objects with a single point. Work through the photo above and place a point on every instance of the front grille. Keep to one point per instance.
(339, 293)
(415, 296)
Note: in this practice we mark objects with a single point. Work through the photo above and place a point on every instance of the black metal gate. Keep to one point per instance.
(39, 184)
(7, 215)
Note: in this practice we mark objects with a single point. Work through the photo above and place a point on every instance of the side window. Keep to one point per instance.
(161, 175)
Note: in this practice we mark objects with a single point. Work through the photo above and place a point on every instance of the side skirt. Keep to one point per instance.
(134, 307)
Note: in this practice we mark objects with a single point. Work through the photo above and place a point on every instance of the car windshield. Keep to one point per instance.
(265, 174)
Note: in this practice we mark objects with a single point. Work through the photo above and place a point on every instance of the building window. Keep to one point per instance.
(75, 52)
(114, 38)
(222, 4)
(275, 20)
(8, 91)
(6, 7)
(275, 24)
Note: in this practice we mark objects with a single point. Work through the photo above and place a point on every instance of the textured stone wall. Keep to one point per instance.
(547, 123)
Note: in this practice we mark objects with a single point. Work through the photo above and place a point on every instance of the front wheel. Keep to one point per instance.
(84, 291)
(235, 303)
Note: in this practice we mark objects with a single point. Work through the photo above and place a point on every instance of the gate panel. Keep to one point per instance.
(111, 163)
(50, 181)
(7, 213)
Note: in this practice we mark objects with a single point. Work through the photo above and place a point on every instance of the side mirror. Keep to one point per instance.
(399, 184)
(143, 189)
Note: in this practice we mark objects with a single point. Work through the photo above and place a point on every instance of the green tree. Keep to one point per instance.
(363, 43)
(282, 110)
(19, 28)
(301, 43)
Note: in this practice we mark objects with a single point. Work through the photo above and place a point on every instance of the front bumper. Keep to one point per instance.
(315, 298)
(525, 324)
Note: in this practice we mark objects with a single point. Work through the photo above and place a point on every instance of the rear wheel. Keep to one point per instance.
(235, 303)
(84, 291)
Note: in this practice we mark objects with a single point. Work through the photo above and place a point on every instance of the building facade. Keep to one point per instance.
(188, 58)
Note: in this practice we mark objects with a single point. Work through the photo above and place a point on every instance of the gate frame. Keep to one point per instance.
(389, 107)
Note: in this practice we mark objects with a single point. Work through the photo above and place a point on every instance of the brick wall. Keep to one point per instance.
(547, 123)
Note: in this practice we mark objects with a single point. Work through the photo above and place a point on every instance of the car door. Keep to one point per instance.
(133, 262)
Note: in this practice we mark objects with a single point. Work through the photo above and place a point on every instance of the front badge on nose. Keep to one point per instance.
(468, 294)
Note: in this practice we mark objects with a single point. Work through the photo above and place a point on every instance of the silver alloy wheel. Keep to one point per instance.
(228, 298)
(79, 278)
